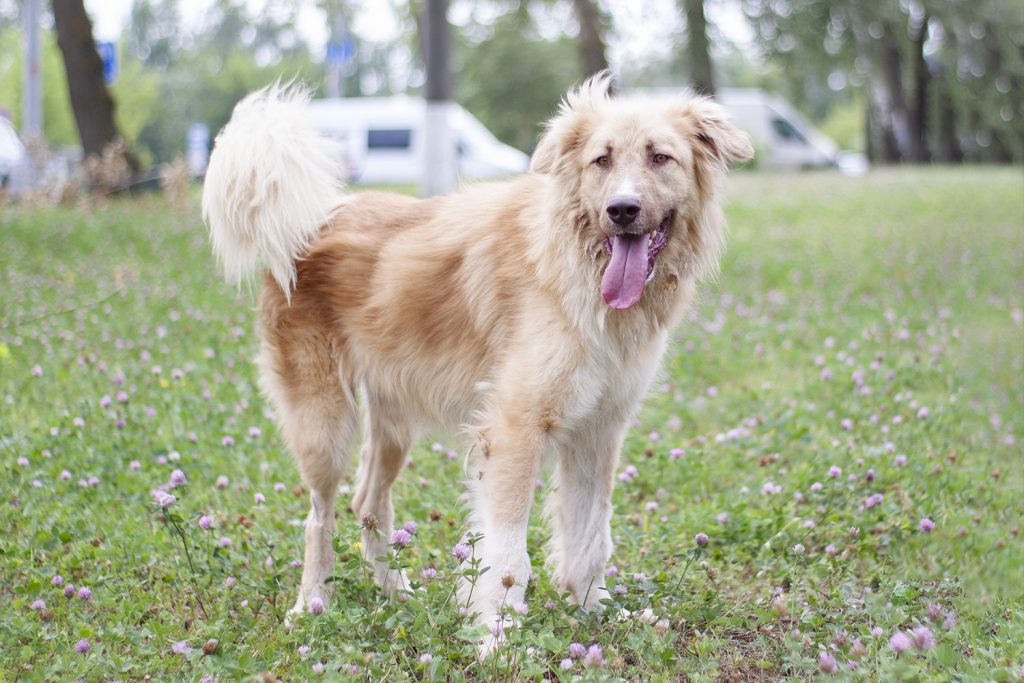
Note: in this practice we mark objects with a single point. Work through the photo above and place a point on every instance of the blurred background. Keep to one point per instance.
(140, 85)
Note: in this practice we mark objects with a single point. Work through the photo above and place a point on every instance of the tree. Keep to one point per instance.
(591, 44)
(205, 73)
(153, 34)
(58, 119)
(698, 49)
(91, 102)
(926, 70)
(512, 102)
(439, 169)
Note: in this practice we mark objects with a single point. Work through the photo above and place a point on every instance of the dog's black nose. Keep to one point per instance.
(623, 210)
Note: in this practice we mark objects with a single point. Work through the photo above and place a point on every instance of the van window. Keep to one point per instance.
(785, 131)
(397, 138)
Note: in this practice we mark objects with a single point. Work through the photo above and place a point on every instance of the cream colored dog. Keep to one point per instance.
(530, 314)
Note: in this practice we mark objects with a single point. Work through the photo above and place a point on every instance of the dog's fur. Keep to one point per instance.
(481, 311)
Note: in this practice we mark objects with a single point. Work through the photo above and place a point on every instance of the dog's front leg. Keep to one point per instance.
(579, 509)
(502, 480)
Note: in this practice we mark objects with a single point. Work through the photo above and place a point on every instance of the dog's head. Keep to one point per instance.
(644, 174)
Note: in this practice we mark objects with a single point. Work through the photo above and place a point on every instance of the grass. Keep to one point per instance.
(856, 369)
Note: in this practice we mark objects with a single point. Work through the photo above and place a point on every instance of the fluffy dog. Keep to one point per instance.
(530, 314)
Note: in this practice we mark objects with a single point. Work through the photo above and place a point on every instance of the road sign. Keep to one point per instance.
(341, 53)
(108, 53)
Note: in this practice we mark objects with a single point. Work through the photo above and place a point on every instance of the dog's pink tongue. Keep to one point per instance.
(626, 274)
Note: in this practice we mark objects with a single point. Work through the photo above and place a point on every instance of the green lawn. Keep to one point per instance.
(853, 377)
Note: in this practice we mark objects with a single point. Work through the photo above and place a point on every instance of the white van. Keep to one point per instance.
(782, 137)
(381, 140)
(11, 151)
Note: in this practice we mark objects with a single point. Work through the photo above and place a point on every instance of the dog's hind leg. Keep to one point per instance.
(388, 440)
(319, 418)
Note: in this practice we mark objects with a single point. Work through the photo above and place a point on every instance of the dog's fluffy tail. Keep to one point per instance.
(271, 184)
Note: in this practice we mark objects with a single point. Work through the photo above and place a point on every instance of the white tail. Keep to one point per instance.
(271, 184)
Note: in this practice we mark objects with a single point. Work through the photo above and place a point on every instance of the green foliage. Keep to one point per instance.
(513, 79)
(845, 125)
(965, 53)
(205, 87)
(167, 79)
(59, 126)
(138, 102)
(891, 300)
(200, 77)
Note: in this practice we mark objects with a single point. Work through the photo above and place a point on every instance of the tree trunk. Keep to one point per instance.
(90, 100)
(946, 143)
(436, 39)
(883, 147)
(870, 147)
(919, 115)
(440, 162)
(698, 50)
(591, 45)
(1001, 147)
(895, 108)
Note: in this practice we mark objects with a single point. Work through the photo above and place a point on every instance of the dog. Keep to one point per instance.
(531, 315)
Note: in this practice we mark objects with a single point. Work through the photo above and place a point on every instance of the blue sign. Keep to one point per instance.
(340, 54)
(108, 53)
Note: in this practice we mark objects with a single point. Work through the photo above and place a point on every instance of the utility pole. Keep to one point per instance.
(32, 104)
(439, 162)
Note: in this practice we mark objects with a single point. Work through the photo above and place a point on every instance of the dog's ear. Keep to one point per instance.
(713, 135)
(548, 150)
(568, 129)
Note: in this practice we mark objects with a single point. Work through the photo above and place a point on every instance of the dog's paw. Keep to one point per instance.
(294, 615)
(315, 605)
(492, 642)
(395, 584)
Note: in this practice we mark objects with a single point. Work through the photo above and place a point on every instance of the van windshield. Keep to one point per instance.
(785, 131)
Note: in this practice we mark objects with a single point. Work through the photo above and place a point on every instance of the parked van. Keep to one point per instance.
(11, 151)
(381, 140)
(782, 137)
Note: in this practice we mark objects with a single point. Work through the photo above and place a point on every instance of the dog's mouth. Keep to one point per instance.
(632, 264)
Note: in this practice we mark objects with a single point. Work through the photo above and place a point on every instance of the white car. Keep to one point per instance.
(11, 151)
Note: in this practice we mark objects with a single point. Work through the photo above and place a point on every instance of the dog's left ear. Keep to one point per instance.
(713, 134)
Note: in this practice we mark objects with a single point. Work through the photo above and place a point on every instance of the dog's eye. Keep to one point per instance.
(660, 159)
(604, 161)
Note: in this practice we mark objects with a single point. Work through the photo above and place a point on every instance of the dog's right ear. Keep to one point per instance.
(568, 129)
(547, 152)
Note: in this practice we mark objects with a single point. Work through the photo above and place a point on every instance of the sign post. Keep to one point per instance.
(340, 51)
(197, 148)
